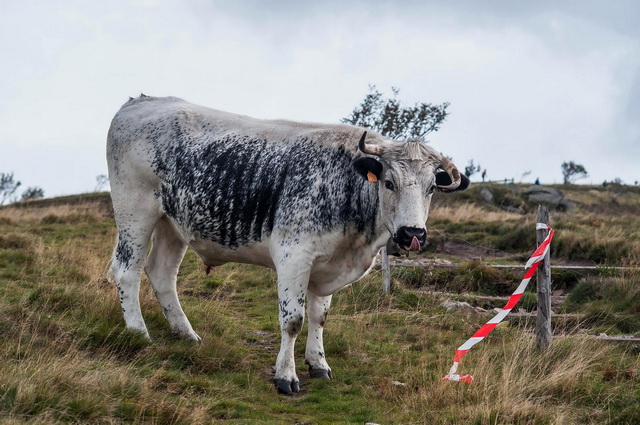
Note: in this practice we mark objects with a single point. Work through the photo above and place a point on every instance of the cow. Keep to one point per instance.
(314, 202)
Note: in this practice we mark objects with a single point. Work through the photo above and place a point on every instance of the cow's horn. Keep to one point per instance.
(368, 148)
(453, 173)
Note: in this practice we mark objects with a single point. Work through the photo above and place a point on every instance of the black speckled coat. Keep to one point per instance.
(229, 181)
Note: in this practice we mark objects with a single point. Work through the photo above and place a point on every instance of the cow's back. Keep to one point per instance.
(232, 179)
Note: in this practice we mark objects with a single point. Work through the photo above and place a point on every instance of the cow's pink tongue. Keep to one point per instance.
(415, 245)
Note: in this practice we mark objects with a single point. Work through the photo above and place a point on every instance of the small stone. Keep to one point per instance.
(398, 384)
(458, 305)
(486, 195)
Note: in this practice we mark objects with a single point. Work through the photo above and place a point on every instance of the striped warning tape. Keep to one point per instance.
(532, 266)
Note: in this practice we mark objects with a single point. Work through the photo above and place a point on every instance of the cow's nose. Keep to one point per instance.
(411, 238)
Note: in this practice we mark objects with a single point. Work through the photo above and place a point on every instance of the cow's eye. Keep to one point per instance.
(431, 189)
(388, 184)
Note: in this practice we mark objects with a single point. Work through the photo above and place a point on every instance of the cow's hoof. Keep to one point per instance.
(287, 387)
(188, 336)
(195, 338)
(320, 373)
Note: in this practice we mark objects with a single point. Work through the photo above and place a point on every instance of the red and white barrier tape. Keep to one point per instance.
(532, 266)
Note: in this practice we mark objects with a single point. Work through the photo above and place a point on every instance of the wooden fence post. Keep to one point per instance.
(386, 270)
(543, 319)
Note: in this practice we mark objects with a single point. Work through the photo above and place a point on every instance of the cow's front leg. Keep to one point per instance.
(292, 288)
(317, 309)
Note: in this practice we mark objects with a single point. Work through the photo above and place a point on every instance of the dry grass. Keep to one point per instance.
(606, 198)
(463, 213)
(601, 240)
(85, 212)
(526, 380)
(67, 358)
(515, 382)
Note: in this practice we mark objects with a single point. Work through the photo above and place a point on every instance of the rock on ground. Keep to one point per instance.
(549, 195)
(458, 305)
(486, 195)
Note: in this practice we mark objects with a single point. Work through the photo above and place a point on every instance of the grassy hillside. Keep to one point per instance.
(66, 357)
(602, 229)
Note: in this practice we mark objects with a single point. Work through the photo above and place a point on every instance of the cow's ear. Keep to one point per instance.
(443, 179)
(368, 168)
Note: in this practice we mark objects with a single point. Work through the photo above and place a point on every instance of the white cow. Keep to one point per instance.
(307, 200)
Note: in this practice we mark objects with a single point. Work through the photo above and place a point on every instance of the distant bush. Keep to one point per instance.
(475, 277)
(586, 290)
(612, 302)
(32, 193)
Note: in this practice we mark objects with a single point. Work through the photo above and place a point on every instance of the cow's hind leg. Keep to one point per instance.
(126, 266)
(293, 280)
(167, 251)
(317, 309)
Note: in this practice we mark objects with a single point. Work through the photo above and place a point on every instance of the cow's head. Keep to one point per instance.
(407, 175)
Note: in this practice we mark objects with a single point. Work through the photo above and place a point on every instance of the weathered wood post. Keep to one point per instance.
(543, 319)
(386, 270)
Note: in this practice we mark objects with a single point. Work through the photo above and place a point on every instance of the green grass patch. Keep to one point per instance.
(610, 303)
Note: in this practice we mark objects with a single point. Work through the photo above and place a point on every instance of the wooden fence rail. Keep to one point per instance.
(543, 318)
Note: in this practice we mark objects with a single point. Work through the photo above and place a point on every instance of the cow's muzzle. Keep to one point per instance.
(411, 238)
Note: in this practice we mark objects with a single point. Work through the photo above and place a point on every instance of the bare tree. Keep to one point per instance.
(8, 186)
(389, 118)
(101, 181)
(470, 169)
(572, 172)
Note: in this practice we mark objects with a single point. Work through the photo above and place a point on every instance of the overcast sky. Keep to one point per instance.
(531, 84)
